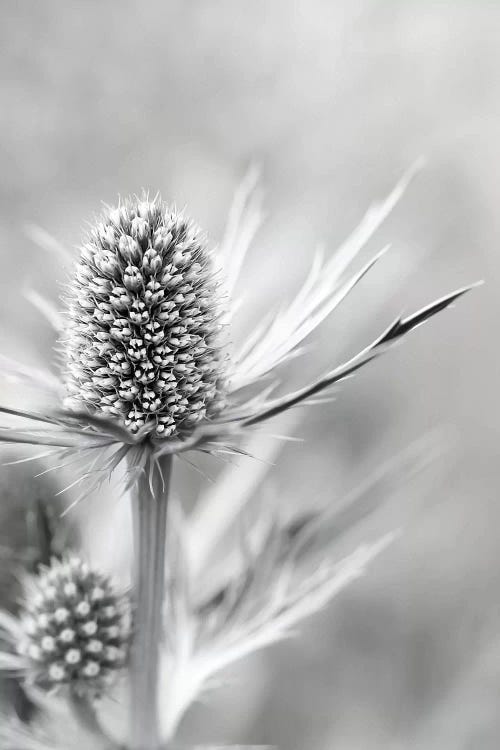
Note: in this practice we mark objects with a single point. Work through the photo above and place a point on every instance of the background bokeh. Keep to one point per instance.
(334, 101)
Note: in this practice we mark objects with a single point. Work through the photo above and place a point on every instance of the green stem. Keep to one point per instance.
(149, 505)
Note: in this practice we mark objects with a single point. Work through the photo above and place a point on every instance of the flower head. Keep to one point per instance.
(74, 628)
(143, 342)
(145, 373)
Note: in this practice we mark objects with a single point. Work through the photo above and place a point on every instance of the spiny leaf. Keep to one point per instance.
(396, 331)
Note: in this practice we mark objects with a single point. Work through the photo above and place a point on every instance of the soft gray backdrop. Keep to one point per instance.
(335, 100)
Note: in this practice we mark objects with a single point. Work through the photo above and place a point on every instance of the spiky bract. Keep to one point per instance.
(145, 375)
(144, 311)
(76, 627)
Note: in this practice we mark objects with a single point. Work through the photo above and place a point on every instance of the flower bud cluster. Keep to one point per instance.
(143, 344)
(76, 627)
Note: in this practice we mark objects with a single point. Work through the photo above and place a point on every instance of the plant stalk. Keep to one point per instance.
(149, 513)
(85, 715)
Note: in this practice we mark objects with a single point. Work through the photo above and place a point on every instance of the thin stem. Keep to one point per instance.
(149, 504)
(85, 715)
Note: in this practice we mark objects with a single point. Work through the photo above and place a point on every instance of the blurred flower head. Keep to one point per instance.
(73, 629)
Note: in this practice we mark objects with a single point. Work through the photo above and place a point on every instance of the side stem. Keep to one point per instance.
(149, 513)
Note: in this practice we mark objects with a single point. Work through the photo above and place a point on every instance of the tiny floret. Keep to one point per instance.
(62, 614)
(70, 589)
(71, 636)
(48, 644)
(34, 651)
(73, 656)
(90, 628)
(82, 609)
(43, 619)
(95, 647)
(91, 669)
(143, 342)
(67, 635)
(57, 673)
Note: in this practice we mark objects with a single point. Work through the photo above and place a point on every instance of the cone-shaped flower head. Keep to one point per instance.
(145, 374)
(76, 627)
(143, 344)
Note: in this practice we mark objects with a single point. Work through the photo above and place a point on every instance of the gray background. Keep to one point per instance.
(335, 100)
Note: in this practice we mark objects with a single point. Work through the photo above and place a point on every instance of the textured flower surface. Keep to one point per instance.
(144, 311)
(146, 373)
(74, 629)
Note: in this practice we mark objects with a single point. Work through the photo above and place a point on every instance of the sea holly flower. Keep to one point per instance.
(72, 631)
(148, 370)
(143, 343)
